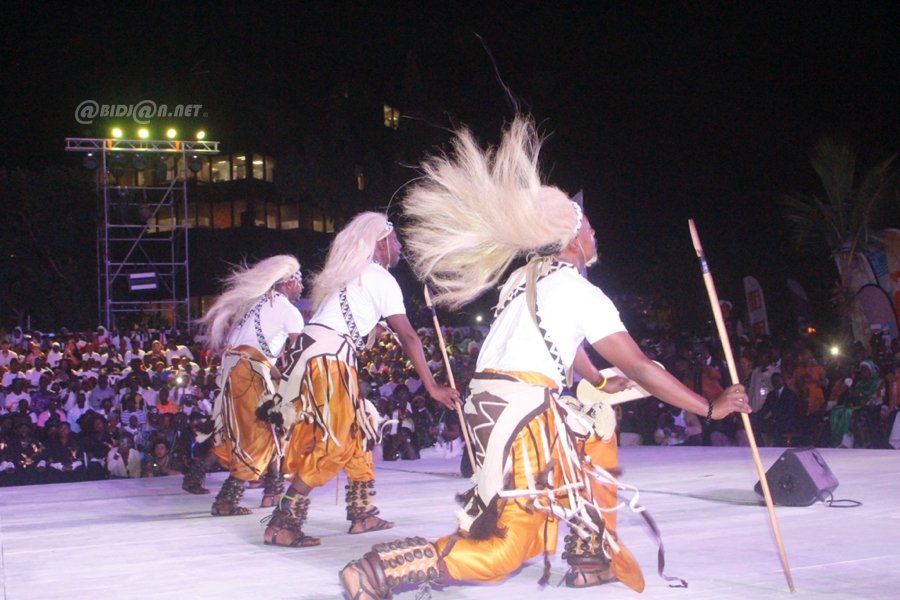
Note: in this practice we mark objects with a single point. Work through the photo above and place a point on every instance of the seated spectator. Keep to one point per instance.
(175, 350)
(160, 462)
(669, 430)
(399, 440)
(24, 456)
(13, 372)
(53, 411)
(781, 412)
(6, 355)
(40, 398)
(54, 355)
(63, 457)
(33, 375)
(75, 413)
(15, 395)
(423, 421)
(124, 461)
(134, 352)
(95, 445)
(102, 392)
(164, 405)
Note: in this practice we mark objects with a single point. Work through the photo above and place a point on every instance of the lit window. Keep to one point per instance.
(221, 170)
(222, 215)
(240, 167)
(290, 216)
(203, 214)
(238, 207)
(259, 214)
(258, 167)
(271, 215)
(391, 117)
(270, 167)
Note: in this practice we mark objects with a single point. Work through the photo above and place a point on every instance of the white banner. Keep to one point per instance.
(756, 307)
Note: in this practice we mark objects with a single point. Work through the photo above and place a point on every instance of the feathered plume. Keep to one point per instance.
(474, 211)
(351, 250)
(243, 288)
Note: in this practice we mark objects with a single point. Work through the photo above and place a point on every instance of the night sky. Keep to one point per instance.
(660, 111)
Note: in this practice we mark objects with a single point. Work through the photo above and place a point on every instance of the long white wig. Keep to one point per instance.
(244, 286)
(351, 250)
(474, 211)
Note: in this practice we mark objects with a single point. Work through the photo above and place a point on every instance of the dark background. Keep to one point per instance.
(660, 111)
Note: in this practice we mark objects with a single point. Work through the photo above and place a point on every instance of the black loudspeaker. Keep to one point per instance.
(799, 477)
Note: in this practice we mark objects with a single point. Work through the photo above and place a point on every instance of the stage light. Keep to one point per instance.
(201, 135)
(116, 132)
(171, 133)
(478, 318)
(835, 350)
(139, 162)
(90, 161)
(117, 165)
(143, 133)
(195, 164)
(161, 171)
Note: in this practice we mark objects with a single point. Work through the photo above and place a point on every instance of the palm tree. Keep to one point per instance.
(843, 220)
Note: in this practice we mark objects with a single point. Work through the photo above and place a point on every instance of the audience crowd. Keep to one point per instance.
(108, 404)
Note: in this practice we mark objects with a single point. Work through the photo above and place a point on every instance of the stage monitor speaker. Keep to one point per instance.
(799, 477)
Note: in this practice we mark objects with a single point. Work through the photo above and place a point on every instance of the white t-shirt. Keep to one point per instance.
(12, 400)
(277, 319)
(571, 309)
(373, 296)
(7, 357)
(132, 354)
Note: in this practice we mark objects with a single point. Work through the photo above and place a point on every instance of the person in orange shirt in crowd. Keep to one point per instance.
(809, 384)
(164, 404)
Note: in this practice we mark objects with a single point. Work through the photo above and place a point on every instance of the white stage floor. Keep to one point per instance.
(148, 539)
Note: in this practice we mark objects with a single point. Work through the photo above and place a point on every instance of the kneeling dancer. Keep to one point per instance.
(471, 215)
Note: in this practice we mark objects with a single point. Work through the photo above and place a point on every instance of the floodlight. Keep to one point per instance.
(201, 135)
(171, 133)
(194, 163)
(143, 133)
(162, 169)
(116, 132)
(117, 165)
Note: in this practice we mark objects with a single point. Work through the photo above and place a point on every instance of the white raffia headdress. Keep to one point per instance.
(243, 288)
(475, 210)
(351, 250)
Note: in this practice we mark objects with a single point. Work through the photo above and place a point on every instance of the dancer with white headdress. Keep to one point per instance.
(351, 294)
(254, 319)
(471, 215)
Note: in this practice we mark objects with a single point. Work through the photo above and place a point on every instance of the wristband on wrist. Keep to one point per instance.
(709, 412)
(603, 383)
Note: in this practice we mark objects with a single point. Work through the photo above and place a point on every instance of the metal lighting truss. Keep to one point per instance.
(143, 229)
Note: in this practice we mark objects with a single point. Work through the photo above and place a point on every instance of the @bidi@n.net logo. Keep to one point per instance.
(142, 112)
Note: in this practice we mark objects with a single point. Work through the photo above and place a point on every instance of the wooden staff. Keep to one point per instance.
(732, 370)
(459, 412)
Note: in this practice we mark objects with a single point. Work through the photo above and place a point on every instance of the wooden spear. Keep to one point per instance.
(732, 370)
(459, 412)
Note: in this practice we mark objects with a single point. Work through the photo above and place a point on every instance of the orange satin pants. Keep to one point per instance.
(311, 455)
(254, 437)
(527, 533)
